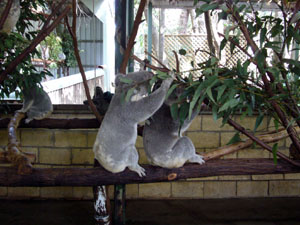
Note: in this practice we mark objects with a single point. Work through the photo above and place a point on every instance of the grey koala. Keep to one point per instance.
(114, 147)
(37, 104)
(163, 142)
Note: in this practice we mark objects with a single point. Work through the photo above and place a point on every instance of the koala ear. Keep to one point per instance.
(117, 79)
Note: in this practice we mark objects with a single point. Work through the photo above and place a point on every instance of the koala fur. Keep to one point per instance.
(37, 104)
(101, 100)
(163, 144)
(114, 147)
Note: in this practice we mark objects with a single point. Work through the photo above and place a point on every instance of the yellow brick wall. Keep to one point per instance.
(73, 148)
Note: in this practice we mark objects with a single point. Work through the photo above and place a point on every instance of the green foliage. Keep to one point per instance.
(11, 45)
(240, 88)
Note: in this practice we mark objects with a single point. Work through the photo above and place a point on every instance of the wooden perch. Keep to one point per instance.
(98, 176)
(14, 154)
(56, 123)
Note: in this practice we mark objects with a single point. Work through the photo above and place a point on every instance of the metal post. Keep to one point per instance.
(130, 21)
(120, 45)
(101, 203)
(149, 40)
(120, 37)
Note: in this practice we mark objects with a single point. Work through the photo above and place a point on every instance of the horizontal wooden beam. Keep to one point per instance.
(74, 123)
(98, 176)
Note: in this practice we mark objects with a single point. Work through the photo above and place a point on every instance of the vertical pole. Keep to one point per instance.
(101, 203)
(120, 45)
(161, 35)
(130, 21)
(149, 41)
(120, 36)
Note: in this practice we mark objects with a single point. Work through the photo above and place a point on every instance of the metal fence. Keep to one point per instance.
(197, 51)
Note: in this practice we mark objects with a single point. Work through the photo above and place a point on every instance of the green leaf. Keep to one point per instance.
(125, 80)
(207, 7)
(129, 94)
(195, 99)
(229, 104)
(182, 52)
(209, 94)
(236, 138)
(274, 151)
(263, 33)
(258, 121)
(223, 44)
(170, 91)
(215, 112)
(162, 75)
(221, 90)
(183, 112)
(174, 111)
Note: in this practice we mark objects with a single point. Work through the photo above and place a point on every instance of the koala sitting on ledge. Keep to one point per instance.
(114, 147)
(163, 144)
(37, 104)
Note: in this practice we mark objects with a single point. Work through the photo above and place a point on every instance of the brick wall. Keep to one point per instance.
(73, 148)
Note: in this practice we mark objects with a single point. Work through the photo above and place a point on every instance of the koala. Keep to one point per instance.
(114, 147)
(163, 141)
(13, 15)
(37, 104)
(101, 100)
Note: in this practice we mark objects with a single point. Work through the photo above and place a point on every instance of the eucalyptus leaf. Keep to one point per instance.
(129, 94)
(170, 91)
(235, 139)
(174, 111)
(258, 121)
(125, 80)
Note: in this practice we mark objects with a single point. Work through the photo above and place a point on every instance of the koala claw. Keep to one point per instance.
(139, 170)
(197, 159)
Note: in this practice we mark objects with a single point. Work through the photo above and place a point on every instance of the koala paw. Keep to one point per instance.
(139, 170)
(28, 120)
(197, 159)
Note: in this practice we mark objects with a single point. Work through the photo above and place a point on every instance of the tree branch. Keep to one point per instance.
(270, 137)
(260, 142)
(137, 21)
(149, 65)
(40, 37)
(72, 31)
(5, 13)
(14, 154)
(98, 176)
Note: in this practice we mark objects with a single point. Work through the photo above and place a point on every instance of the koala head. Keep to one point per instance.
(139, 80)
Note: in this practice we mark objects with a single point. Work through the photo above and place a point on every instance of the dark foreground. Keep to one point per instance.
(259, 211)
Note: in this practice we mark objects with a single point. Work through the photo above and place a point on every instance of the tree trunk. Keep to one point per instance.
(183, 21)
